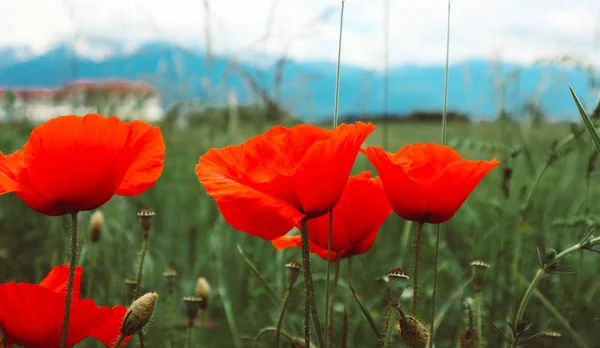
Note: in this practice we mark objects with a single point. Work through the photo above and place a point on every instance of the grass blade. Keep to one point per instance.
(366, 312)
(586, 119)
(258, 276)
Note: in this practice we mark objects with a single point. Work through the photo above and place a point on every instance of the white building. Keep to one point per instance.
(129, 100)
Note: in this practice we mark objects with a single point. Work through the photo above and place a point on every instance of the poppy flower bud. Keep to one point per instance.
(397, 280)
(203, 291)
(96, 225)
(413, 332)
(170, 274)
(467, 339)
(294, 269)
(138, 314)
(145, 214)
(478, 269)
(192, 305)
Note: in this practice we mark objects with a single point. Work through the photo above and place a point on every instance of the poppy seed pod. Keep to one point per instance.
(294, 269)
(413, 332)
(397, 282)
(192, 305)
(203, 291)
(138, 314)
(170, 274)
(145, 214)
(96, 225)
(552, 333)
(478, 269)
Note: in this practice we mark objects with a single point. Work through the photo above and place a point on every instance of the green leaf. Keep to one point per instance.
(366, 313)
(258, 276)
(586, 119)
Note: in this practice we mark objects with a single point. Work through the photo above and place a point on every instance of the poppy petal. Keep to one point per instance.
(286, 242)
(454, 186)
(8, 180)
(362, 207)
(143, 160)
(407, 197)
(323, 172)
(107, 327)
(30, 314)
(58, 278)
(78, 163)
(243, 207)
(424, 163)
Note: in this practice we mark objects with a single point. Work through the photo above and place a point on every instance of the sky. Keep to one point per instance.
(521, 31)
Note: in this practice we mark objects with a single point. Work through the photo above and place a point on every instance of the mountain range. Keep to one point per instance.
(477, 87)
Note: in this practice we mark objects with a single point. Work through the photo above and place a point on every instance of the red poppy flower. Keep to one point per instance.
(32, 315)
(427, 182)
(265, 186)
(74, 163)
(362, 209)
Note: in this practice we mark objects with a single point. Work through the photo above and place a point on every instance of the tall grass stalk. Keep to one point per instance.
(65, 327)
(386, 70)
(444, 124)
(335, 124)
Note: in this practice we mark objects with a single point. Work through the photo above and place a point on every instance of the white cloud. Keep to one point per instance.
(518, 30)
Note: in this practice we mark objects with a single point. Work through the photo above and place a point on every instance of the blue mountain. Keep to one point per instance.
(307, 89)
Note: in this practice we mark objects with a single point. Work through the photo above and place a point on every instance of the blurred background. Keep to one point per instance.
(213, 73)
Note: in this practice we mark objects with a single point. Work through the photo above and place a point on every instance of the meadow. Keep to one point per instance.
(553, 167)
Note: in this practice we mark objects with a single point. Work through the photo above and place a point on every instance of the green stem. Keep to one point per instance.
(344, 343)
(538, 276)
(478, 319)
(138, 279)
(286, 300)
(329, 234)
(119, 341)
(170, 318)
(336, 278)
(416, 268)
(435, 272)
(310, 310)
(389, 329)
(65, 327)
(271, 329)
(188, 340)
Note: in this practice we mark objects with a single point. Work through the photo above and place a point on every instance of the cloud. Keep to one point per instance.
(515, 30)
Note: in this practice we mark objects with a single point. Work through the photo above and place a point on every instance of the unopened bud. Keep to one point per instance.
(397, 280)
(468, 339)
(138, 314)
(203, 291)
(192, 305)
(294, 269)
(478, 270)
(96, 225)
(146, 214)
(413, 332)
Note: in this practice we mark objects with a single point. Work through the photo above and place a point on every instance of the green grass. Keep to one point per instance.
(189, 234)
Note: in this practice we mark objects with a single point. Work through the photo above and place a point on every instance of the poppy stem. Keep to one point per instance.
(336, 278)
(309, 292)
(138, 281)
(329, 234)
(119, 341)
(65, 328)
(344, 343)
(286, 300)
(435, 272)
(416, 268)
(389, 329)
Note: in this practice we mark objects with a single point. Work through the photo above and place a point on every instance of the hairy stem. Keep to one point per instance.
(310, 310)
(138, 281)
(119, 341)
(478, 319)
(336, 278)
(271, 329)
(90, 270)
(416, 268)
(435, 271)
(329, 234)
(65, 328)
(389, 329)
(286, 300)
